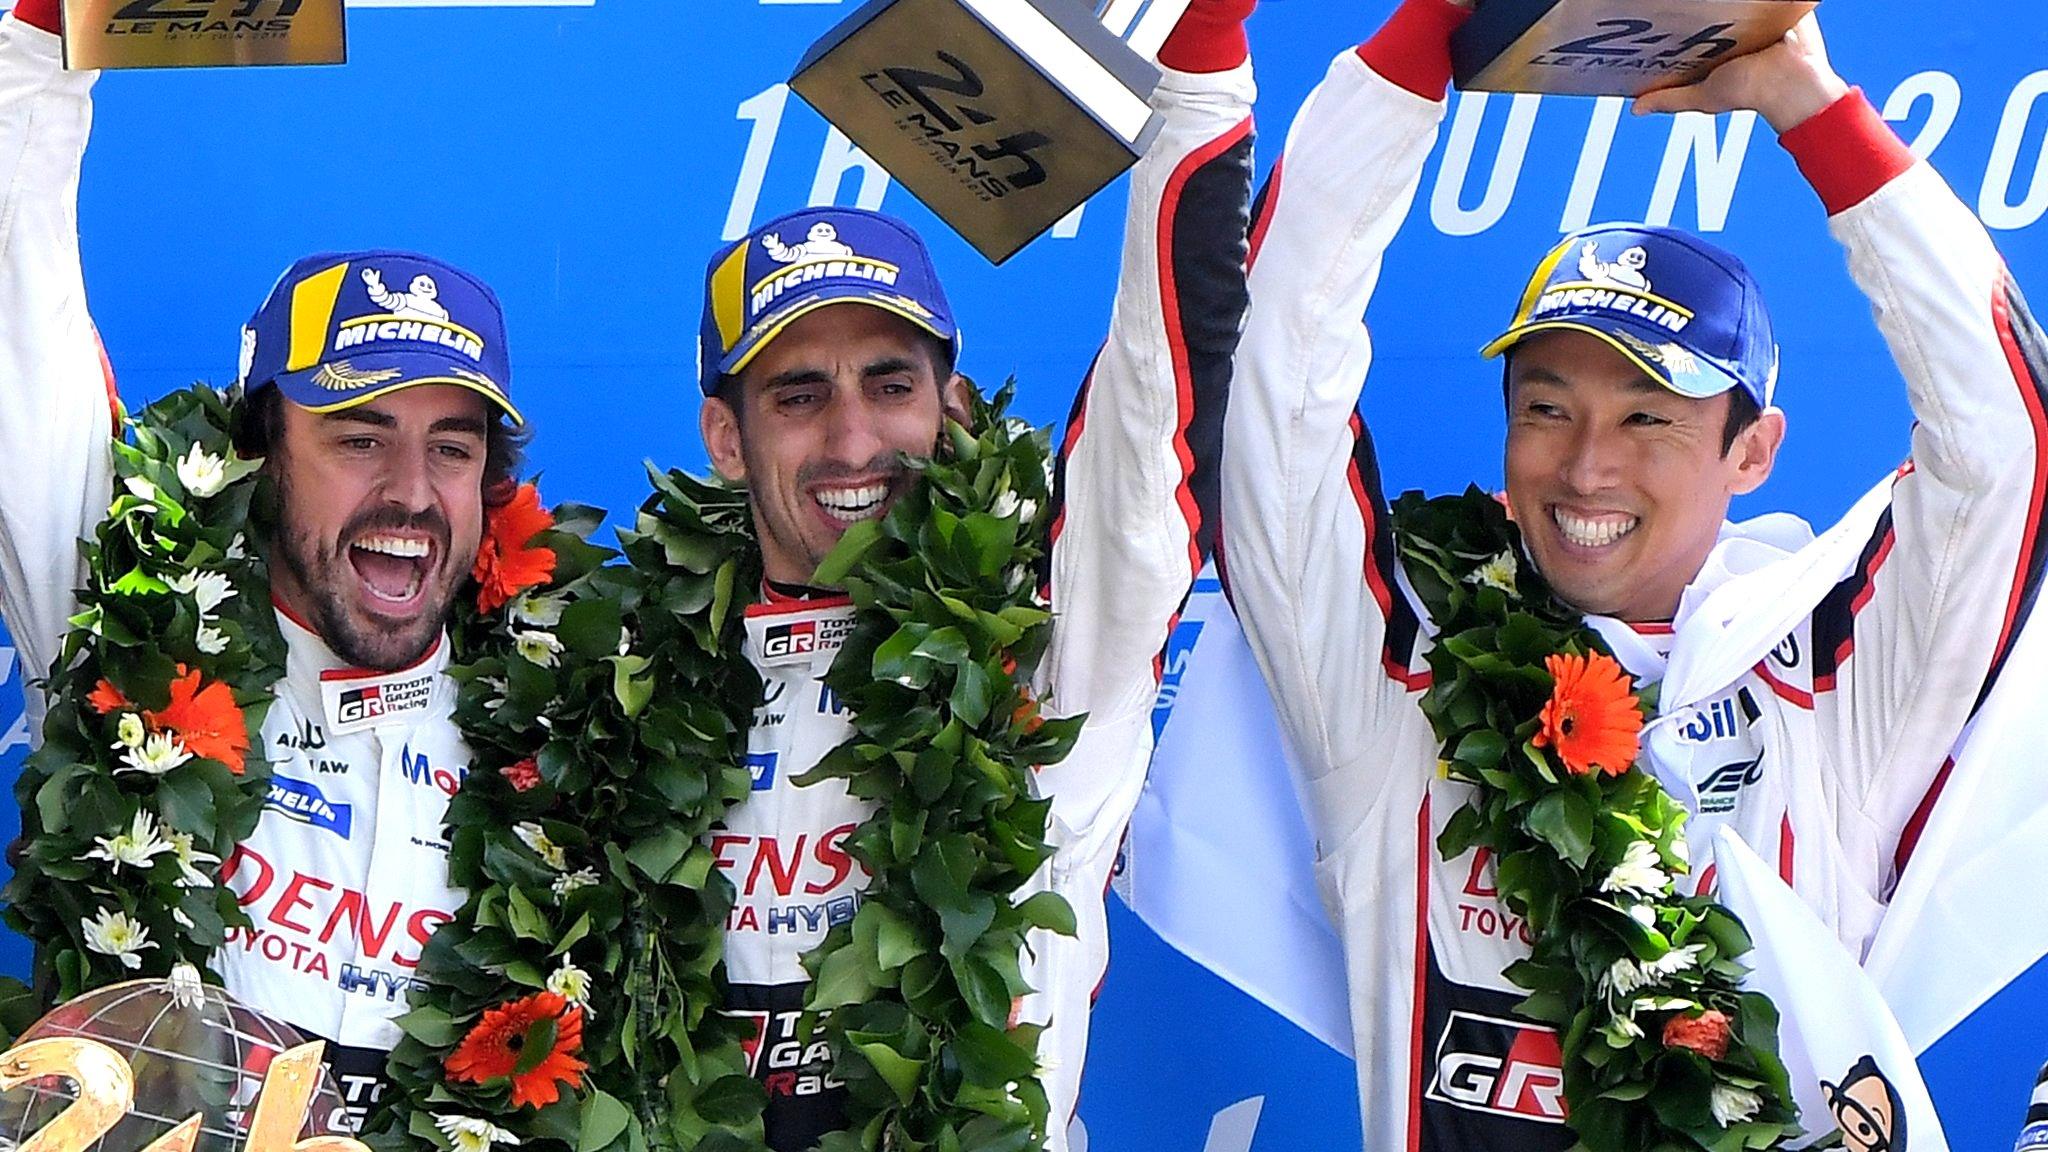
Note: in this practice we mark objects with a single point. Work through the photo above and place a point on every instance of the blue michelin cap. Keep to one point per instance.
(343, 328)
(796, 264)
(1687, 313)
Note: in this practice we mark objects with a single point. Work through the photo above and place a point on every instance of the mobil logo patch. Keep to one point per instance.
(782, 643)
(1501, 1067)
(761, 769)
(303, 801)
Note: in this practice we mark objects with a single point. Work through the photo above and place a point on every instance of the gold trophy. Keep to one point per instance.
(1002, 116)
(1611, 47)
(197, 33)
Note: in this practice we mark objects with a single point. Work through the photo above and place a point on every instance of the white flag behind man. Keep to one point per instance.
(1219, 861)
(1985, 843)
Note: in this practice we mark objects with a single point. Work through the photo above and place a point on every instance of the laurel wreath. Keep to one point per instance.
(606, 710)
(1662, 1048)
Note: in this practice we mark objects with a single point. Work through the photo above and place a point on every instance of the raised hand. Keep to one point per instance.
(1786, 82)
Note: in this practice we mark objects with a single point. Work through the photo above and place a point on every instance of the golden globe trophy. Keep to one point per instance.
(195, 33)
(1611, 47)
(1002, 116)
(167, 1066)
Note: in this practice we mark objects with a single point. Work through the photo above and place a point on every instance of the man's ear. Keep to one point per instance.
(1755, 451)
(955, 397)
(720, 426)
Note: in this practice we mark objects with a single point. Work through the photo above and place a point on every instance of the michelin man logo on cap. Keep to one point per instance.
(420, 300)
(823, 243)
(1626, 271)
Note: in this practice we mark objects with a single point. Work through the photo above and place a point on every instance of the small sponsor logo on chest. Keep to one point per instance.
(353, 706)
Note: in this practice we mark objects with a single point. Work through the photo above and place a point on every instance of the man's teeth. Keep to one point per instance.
(851, 504)
(395, 546)
(1593, 533)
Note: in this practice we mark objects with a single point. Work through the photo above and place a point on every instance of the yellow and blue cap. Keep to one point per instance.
(795, 264)
(1684, 311)
(343, 328)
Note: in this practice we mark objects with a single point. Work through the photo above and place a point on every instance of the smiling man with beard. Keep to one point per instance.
(388, 434)
(828, 359)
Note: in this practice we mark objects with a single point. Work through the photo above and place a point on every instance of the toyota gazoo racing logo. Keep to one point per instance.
(1501, 1067)
(789, 641)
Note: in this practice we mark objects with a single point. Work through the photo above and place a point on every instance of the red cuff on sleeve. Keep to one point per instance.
(1413, 48)
(1209, 38)
(38, 13)
(1847, 151)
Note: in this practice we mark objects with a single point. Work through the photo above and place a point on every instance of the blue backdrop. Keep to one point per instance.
(585, 158)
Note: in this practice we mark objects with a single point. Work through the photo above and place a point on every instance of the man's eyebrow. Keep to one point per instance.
(473, 425)
(886, 366)
(361, 416)
(1536, 374)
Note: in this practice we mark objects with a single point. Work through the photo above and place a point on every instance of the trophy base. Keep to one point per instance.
(1001, 116)
(1611, 47)
(202, 33)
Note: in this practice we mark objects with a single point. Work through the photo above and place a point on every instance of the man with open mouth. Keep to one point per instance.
(384, 421)
(1811, 689)
(828, 358)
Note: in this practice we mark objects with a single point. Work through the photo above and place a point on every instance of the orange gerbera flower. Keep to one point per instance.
(496, 1048)
(205, 719)
(506, 562)
(106, 698)
(1592, 718)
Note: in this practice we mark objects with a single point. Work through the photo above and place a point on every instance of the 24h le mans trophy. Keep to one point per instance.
(1611, 47)
(1002, 116)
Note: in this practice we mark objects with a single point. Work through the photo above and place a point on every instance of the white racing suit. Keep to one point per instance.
(1819, 755)
(1139, 454)
(346, 874)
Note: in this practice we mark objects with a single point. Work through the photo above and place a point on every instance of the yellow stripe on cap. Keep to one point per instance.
(1534, 291)
(312, 312)
(886, 304)
(729, 298)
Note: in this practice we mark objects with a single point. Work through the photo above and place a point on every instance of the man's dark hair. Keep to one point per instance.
(941, 352)
(259, 429)
(1743, 410)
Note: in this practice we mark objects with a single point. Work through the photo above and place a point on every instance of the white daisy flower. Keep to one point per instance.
(209, 588)
(189, 859)
(1732, 1105)
(1622, 1030)
(1625, 978)
(551, 854)
(210, 641)
(187, 989)
(1639, 873)
(135, 847)
(156, 755)
(201, 472)
(1673, 962)
(118, 935)
(1498, 572)
(142, 488)
(238, 548)
(570, 882)
(129, 731)
(541, 611)
(538, 647)
(572, 984)
(473, 1133)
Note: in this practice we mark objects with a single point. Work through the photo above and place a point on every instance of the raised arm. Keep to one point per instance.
(1308, 553)
(1137, 480)
(1907, 646)
(54, 399)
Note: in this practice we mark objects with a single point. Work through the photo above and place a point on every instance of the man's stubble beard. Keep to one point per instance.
(321, 575)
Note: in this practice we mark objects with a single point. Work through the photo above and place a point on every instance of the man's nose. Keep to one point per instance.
(409, 481)
(854, 434)
(1592, 461)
